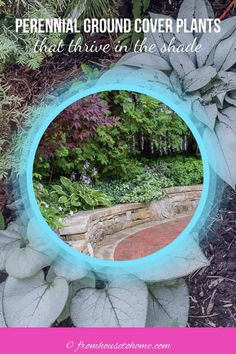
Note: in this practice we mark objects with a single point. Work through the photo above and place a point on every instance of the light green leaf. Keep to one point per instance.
(33, 302)
(199, 78)
(136, 10)
(66, 182)
(146, 4)
(26, 262)
(2, 222)
(123, 303)
(63, 199)
(210, 39)
(2, 319)
(168, 304)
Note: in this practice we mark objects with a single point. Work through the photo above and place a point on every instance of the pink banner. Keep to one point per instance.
(98, 340)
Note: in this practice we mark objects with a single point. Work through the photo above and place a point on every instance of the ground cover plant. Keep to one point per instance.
(112, 148)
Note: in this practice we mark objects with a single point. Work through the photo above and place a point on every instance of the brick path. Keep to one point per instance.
(150, 240)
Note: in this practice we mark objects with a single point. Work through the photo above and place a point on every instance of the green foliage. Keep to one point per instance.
(74, 195)
(92, 9)
(58, 200)
(2, 222)
(186, 172)
(10, 117)
(181, 170)
(143, 188)
(19, 47)
(117, 147)
(156, 175)
(48, 207)
(139, 9)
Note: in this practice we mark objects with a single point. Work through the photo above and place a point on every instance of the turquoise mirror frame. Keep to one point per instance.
(120, 78)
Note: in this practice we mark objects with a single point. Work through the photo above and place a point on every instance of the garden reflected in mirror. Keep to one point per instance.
(118, 175)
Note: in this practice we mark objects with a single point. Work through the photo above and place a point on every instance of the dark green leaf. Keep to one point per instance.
(2, 222)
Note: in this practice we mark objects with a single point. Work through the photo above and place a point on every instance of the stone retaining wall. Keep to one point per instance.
(84, 230)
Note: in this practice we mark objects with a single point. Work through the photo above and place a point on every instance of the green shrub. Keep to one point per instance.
(183, 171)
(186, 172)
(112, 147)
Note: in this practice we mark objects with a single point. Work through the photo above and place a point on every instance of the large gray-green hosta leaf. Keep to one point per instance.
(2, 319)
(123, 303)
(26, 262)
(181, 63)
(33, 302)
(222, 150)
(206, 113)
(197, 79)
(228, 117)
(224, 83)
(225, 53)
(210, 39)
(164, 39)
(198, 9)
(231, 99)
(168, 304)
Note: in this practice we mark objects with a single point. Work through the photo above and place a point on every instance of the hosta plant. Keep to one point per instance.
(208, 77)
(58, 200)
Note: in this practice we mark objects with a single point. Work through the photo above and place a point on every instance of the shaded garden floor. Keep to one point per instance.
(212, 289)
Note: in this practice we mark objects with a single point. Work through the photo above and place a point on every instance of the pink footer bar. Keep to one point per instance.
(117, 340)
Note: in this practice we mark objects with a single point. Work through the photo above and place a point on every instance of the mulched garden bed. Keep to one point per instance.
(213, 289)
